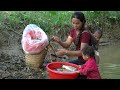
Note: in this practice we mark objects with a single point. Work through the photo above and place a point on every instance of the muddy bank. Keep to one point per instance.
(12, 64)
(13, 67)
(12, 61)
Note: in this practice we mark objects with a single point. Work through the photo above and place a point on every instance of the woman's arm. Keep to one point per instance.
(83, 45)
(84, 42)
(62, 52)
(77, 53)
(65, 44)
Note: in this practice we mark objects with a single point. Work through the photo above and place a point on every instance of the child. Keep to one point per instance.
(95, 37)
(90, 68)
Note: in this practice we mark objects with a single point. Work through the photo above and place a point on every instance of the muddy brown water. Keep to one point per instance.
(110, 61)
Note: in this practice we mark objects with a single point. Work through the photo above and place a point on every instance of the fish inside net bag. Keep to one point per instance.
(34, 39)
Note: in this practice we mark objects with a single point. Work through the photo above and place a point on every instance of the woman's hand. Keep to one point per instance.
(61, 52)
(56, 39)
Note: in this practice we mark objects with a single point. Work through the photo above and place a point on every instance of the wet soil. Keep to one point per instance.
(12, 62)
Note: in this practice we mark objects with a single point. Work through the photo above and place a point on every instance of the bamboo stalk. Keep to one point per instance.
(49, 53)
(54, 51)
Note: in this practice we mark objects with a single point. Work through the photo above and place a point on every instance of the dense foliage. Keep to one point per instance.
(58, 22)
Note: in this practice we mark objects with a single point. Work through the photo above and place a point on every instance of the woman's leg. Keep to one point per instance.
(75, 62)
(78, 62)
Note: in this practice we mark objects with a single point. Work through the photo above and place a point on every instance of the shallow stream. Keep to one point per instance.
(109, 65)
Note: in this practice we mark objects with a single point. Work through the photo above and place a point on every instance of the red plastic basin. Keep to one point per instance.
(61, 75)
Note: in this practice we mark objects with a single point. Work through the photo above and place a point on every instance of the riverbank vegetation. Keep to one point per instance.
(55, 22)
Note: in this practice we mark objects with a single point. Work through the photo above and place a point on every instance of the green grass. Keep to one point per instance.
(44, 19)
(53, 22)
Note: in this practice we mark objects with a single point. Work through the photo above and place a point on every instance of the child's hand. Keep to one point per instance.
(56, 39)
(61, 52)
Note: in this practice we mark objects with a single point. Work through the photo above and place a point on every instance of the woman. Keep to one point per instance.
(78, 35)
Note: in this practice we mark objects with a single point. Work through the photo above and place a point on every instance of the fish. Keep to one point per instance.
(66, 68)
(70, 68)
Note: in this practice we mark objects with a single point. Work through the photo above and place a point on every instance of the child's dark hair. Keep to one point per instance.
(100, 31)
(93, 41)
(88, 50)
(81, 17)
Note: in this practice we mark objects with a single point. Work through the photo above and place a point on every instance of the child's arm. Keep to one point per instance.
(94, 41)
(83, 70)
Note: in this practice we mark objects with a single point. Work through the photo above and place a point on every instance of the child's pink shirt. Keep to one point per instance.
(90, 69)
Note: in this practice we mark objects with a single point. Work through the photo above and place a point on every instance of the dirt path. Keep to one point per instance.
(12, 64)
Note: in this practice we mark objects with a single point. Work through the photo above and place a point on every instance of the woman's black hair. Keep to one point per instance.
(81, 17)
(88, 50)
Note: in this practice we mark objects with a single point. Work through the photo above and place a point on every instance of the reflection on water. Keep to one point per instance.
(110, 61)
(110, 71)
